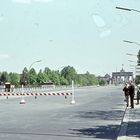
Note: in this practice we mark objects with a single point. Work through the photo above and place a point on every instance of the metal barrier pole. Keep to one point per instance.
(22, 100)
(73, 100)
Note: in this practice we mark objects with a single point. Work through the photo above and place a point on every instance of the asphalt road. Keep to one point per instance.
(97, 114)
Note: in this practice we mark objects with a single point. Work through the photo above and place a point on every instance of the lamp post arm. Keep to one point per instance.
(135, 10)
(132, 61)
(122, 8)
(127, 9)
(137, 43)
(131, 54)
(34, 63)
(127, 41)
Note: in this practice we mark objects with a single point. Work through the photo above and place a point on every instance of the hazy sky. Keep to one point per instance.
(85, 34)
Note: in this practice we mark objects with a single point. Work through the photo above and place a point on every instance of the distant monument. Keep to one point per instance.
(121, 77)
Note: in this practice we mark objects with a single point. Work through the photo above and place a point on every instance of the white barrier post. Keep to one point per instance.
(72, 101)
(22, 100)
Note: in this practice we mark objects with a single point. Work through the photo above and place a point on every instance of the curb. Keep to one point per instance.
(124, 125)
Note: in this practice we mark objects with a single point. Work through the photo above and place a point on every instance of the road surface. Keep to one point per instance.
(97, 114)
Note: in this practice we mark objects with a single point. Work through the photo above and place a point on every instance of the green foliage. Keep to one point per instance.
(86, 79)
(14, 78)
(138, 56)
(69, 73)
(41, 78)
(63, 77)
(4, 77)
(24, 78)
(32, 77)
(137, 80)
(63, 81)
(54, 77)
(102, 82)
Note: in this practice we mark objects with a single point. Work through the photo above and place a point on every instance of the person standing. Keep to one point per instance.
(138, 95)
(131, 89)
(126, 93)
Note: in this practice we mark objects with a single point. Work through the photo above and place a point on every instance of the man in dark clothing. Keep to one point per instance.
(126, 93)
(131, 93)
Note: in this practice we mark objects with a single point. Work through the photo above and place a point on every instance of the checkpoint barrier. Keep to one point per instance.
(36, 94)
(8, 94)
(23, 93)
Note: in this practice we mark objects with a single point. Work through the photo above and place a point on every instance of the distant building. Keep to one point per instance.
(106, 78)
(121, 77)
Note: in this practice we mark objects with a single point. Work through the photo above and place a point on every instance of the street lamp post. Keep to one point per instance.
(131, 42)
(127, 9)
(34, 63)
(136, 68)
(127, 41)
(131, 54)
(134, 62)
(133, 68)
(22, 100)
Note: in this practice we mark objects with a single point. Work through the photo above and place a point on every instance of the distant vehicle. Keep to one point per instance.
(98, 85)
(48, 85)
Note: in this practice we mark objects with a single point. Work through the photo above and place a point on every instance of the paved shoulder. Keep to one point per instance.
(130, 128)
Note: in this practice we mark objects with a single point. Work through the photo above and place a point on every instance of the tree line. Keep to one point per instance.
(63, 77)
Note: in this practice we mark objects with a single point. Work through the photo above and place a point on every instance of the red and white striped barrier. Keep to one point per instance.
(25, 93)
(37, 94)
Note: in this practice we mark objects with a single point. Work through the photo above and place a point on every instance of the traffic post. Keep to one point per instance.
(22, 100)
(73, 100)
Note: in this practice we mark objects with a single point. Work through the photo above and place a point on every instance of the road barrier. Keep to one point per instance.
(36, 94)
(23, 93)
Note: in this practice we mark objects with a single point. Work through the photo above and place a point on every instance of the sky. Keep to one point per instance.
(85, 34)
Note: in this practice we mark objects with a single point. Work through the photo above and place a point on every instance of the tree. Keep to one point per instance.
(86, 79)
(83, 80)
(24, 78)
(138, 56)
(54, 77)
(102, 82)
(91, 79)
(69, 73)
(47, 70)
(63, 81)
(32, 77)
(137, 80)
(63, 77)
(4, 77)
(41, 78)
(14, 78)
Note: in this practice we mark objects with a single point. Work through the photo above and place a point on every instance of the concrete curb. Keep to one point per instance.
(124, 125)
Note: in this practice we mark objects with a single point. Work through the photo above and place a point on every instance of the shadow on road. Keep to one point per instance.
(133, 129)
(104, 132)
(108, 131)
(101, 115)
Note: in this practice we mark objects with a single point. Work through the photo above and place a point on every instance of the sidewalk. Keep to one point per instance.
(130, 127)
